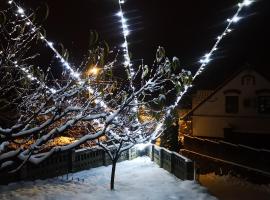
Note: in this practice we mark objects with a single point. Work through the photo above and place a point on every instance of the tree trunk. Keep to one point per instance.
(113, 174)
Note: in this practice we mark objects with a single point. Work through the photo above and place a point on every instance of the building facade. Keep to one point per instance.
(241, 105)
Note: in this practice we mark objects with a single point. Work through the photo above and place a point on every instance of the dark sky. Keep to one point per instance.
(187, 29)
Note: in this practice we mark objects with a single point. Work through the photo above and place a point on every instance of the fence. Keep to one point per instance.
(76, 160)
(240, 154)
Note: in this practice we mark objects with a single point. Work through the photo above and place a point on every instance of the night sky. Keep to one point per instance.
(187, 29)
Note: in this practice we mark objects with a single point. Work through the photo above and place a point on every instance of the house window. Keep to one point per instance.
(248, 80)
(232, 104)
(264, 104)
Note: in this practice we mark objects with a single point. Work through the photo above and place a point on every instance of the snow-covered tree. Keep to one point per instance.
(93, 107)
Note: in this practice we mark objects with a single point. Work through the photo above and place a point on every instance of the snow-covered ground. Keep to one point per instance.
(136, 179)
(233, 188)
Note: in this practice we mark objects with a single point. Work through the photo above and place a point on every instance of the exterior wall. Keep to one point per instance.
(204, 126)
(200, 96)
(210, 118)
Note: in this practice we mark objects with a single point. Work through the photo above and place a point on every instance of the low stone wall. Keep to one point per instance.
(76, 160)
(172, 162)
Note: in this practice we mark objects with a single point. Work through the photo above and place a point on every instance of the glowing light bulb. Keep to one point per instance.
(20, 10)
(124, 45)
(235, 19)
(94, 71)
(76, 75)
(119, 14)
(10, 2)
(206, 59)
(247, 2)
(123, 20)
(66, 65)
(50, 44)
(126, 32)
(207, 55)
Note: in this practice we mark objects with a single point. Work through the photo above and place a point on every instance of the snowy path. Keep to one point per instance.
(139, 179)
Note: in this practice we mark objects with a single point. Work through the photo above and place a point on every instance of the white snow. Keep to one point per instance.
(139, 179)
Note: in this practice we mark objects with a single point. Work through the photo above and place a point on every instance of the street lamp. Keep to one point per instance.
(93, 71)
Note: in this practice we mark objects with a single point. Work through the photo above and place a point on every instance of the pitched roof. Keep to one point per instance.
(220, 87)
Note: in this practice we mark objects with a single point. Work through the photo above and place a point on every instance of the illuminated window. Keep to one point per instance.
(231, 104)
(264, 104)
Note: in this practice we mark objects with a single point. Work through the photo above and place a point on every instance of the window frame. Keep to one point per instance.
(230, 106)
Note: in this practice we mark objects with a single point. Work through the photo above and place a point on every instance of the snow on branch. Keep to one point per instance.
(101, 109)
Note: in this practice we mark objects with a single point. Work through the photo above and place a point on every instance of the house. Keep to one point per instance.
(238, 108)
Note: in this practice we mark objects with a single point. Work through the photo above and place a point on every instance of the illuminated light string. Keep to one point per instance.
(31, 77)
(26, 71)
(126, 32)
(204, 62)
(74, 74)
(127, 61)
(207, 57)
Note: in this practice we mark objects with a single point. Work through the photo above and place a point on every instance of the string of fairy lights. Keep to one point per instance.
(20, 11)
(127, 61)
(73, 73)
(204, 61)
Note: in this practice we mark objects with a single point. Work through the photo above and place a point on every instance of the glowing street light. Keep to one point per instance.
(93, 71)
